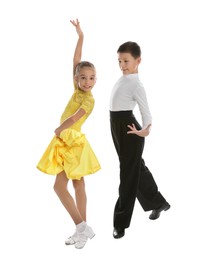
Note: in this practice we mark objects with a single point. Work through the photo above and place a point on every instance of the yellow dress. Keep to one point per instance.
(71, 152)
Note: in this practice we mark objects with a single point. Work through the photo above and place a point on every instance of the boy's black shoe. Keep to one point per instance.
(156, 212)
(118, 232)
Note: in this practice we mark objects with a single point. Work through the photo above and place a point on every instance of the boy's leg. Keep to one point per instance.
(148, 194)
(129, 149)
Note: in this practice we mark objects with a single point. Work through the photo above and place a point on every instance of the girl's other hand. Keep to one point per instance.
(57, 132)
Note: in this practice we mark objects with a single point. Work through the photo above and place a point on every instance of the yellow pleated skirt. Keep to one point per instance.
(72, 153)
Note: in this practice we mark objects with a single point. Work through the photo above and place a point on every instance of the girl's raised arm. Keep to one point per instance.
(78, 49)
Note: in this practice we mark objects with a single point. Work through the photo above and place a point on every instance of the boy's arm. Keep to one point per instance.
(140, 97)
(78, 49)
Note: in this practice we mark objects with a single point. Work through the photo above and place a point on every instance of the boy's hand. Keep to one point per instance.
(142, 133)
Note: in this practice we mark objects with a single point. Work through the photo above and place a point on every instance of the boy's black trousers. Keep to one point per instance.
(136, 181)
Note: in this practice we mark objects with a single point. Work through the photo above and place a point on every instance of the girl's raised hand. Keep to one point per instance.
(76, 23)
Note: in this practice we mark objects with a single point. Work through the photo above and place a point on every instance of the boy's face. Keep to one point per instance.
(127, 63)
(86, 79)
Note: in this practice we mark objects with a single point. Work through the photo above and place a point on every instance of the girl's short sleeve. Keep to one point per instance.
(87, 104)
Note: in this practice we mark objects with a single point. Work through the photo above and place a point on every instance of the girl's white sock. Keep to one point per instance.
(81, 226)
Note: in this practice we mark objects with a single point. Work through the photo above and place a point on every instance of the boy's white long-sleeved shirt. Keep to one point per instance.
(126, 93)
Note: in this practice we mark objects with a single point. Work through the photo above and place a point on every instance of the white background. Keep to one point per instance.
(36, 49)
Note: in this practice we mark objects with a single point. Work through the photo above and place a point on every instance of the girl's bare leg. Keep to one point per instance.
(80, 196)
(66, 199)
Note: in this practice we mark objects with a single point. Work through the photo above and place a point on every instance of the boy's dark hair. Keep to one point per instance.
(131, 47)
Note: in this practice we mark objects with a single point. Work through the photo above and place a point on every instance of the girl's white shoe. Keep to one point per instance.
(82, 237)
(72, 240)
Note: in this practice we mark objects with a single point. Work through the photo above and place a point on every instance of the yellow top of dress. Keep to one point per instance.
(79, 99)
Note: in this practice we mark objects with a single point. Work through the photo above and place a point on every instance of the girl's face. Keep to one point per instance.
(86, 79)
(127, 63)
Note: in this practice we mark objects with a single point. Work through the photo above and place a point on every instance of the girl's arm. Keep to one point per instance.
(70, 121)
(78, 49)
(77, 58)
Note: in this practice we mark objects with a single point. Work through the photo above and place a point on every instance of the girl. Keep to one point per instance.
(69, 155)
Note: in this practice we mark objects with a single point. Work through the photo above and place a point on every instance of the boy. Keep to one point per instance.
(136, 181)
